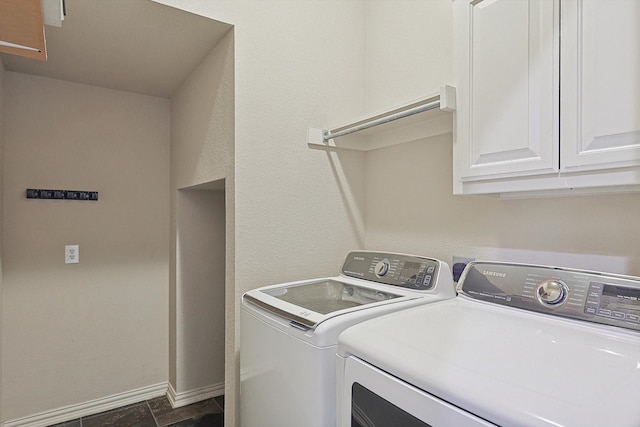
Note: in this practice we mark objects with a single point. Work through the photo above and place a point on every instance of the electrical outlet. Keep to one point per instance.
(71, 254)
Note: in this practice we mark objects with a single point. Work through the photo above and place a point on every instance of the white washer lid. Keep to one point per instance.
(508, 366)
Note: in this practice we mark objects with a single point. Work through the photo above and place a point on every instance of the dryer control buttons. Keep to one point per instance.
(381, 268)
(552, 292)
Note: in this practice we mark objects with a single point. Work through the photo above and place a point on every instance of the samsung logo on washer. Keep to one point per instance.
(494, 273)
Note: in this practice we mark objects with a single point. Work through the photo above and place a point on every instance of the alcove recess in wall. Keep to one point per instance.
(420, 118)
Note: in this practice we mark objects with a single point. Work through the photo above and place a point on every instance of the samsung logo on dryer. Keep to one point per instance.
(494, 273)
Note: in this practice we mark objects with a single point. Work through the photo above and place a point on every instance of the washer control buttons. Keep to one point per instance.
(381, 268)
(552, 292)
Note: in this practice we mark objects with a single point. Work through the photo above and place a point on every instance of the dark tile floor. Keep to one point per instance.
(157, 413)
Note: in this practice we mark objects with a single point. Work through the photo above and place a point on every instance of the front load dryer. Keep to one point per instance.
(520, 346)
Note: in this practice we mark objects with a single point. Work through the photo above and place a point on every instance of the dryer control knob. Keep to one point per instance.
(381, 268)
(552, 292)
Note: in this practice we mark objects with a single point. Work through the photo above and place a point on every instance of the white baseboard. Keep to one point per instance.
(185, 398)
(91, 407)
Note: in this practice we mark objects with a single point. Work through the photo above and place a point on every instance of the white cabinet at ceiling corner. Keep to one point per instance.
(537, 111)
(53, 12)
(600, 83)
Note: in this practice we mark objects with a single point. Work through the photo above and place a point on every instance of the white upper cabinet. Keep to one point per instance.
(508, 90)
(600, 85)
(548, 96)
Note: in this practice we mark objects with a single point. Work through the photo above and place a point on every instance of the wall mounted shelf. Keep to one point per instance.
(421, 118)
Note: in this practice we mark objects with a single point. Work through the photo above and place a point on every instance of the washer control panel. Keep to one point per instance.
(584, 295)
(406, 271)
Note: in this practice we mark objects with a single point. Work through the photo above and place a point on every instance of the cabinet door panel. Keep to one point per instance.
(600, 111)
(510, 125)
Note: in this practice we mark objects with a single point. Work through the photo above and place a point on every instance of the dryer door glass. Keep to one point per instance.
(368, 409)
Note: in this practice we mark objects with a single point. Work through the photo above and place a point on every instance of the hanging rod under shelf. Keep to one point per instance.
(444, 101)
(327, 135)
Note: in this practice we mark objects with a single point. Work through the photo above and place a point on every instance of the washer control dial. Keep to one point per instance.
(381, 268)
(552, 292)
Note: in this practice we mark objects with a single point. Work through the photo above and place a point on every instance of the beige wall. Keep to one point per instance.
(200, 291)
(409, 50)
(297, 65)
(605, 228)
(72, 333)
(202, 152)
(1, 222)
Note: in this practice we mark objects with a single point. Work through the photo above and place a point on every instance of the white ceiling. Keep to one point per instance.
(132, 45)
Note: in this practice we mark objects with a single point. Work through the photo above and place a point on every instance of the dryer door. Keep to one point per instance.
(372, 397)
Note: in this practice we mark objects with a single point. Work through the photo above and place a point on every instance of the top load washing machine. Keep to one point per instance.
(289, 332)
(520, 346)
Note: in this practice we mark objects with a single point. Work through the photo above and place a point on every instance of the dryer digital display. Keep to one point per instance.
(615, 302)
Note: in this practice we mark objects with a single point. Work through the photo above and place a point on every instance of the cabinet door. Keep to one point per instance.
(507, 65)
(600, 86)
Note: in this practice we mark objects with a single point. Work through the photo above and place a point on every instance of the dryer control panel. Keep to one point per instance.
(407, 271)
(584, 295)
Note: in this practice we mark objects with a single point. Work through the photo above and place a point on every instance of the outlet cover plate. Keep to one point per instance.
(71, 254)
